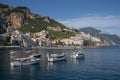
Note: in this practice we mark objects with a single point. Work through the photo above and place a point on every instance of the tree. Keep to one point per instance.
(87, 43)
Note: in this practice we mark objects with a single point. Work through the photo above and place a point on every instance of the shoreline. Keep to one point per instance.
(18, 47)
(66, 47)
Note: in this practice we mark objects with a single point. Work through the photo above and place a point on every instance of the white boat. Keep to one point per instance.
(78, 55)
(28, 51)
(56, 57)
(12, 52)
(33, 59)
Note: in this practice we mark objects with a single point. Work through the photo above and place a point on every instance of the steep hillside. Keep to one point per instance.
(113, 39)
(22, 19)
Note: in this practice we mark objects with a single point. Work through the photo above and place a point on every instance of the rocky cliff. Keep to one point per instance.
(15, 17)
(3, 26)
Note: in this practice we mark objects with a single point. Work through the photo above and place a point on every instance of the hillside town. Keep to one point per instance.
(42, 39)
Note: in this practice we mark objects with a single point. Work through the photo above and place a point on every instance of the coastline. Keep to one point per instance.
(62, 47)
(18, 47)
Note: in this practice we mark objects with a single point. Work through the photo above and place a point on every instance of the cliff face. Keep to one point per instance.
(17, 19)
(3, 26)
(47, 19)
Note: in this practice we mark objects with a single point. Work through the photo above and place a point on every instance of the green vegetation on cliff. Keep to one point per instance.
(60, 34)
(38, 24)
(34, 25)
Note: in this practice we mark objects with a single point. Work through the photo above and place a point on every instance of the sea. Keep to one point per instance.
(98, 64)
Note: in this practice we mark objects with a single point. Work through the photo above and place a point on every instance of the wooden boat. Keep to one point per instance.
(56, 57)
(33, 59)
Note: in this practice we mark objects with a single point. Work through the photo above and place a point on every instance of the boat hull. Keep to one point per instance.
(54, 59)
(78, 55)
(27, 62)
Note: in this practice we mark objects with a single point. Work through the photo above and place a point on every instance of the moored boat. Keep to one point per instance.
(56, 57)
(33, 59)
(78, 54)
(12, 52)
(28, 51)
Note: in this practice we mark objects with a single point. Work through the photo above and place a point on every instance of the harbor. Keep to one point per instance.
(98, 63)
(20, 56)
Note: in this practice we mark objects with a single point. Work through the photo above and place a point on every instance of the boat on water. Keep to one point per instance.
(33, 59)
(12, 52)
(28, 51)
(56, 57)
(78, 55)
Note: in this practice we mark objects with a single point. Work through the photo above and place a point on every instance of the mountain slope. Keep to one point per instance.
(113, 39)
(22, 19)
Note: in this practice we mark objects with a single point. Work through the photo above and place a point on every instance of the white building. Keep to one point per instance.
(76, 40)
(89, 37)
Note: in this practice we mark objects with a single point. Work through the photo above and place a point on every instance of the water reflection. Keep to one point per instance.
(55, 65)
(26, 72)
(4, 65)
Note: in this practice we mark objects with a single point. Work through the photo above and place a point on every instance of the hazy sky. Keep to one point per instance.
(101, 14)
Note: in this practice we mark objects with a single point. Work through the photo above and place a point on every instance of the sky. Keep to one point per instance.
(100, 14)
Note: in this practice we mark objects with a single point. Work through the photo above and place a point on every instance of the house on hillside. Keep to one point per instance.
(73, 41)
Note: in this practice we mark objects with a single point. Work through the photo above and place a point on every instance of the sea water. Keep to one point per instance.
(98, 64)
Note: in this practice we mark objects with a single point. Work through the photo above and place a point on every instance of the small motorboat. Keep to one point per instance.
(33, 59)
(78, 54)
(56, 57)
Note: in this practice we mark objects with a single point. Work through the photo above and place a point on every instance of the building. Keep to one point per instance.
(76, 40)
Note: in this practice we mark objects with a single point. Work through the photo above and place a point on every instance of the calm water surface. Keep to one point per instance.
(98, 64)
